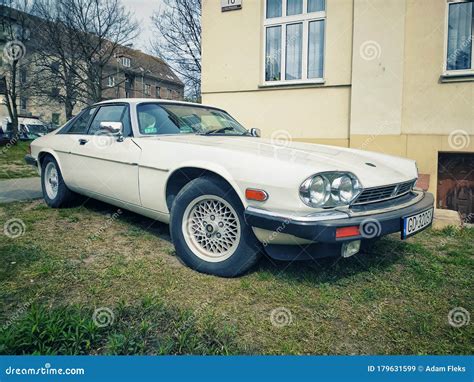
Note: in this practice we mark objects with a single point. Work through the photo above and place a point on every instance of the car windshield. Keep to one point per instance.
(154, 119)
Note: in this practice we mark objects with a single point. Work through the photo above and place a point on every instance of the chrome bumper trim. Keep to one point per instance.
(334, 214)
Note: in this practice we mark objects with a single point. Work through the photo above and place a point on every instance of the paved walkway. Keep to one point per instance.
(13, 190)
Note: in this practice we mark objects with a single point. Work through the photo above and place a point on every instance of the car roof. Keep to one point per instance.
(148, 100)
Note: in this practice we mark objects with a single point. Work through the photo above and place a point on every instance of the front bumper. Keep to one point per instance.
(386, 217)
(29, 159)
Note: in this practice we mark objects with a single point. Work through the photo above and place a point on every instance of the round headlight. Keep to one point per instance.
(346, 189)
(315, 191)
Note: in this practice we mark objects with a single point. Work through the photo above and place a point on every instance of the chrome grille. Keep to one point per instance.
(377, 194)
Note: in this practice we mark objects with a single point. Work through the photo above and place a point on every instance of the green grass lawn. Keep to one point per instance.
(69, 264)
(12, 162)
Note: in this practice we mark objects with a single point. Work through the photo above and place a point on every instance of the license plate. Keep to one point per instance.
(415, 223)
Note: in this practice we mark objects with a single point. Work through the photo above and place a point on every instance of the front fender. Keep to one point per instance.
(211, 167)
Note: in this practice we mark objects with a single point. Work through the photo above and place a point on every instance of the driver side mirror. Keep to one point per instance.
(255, 132)
(112, 128)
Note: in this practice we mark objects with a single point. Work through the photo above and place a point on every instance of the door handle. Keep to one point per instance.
(82, 142)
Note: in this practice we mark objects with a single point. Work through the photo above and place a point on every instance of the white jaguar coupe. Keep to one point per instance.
(228, 194)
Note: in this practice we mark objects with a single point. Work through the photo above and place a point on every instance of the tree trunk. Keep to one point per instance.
(68, 109)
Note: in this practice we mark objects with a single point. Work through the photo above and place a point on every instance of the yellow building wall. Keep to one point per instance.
(429, 105)
(232, 74)
(298, 114)
(377, 67)
(427, 116)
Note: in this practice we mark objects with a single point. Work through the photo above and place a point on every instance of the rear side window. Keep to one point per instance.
(80, 124)
(112, 113)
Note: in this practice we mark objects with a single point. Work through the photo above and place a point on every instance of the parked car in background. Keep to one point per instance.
(228, 194)
(28, 128)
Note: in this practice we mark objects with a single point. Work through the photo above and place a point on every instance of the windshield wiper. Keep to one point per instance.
(217, 131)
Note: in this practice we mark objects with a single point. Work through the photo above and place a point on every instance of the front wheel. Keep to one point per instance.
(209, 230)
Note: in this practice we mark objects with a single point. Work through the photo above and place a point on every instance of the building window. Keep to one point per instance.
(158, 92)
(23, 75)
(126, 62)
(111, 81)
(55, 119)
(294, 40)
(23, 103)
(459, 36)
(147, 89)
(55, 67)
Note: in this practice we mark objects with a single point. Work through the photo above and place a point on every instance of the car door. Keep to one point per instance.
(65, 140)
(104, 165)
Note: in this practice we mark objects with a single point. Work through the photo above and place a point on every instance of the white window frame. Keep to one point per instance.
(111, 82)
(126, 62)
(147, 89)
(304, 18)
(461, 72)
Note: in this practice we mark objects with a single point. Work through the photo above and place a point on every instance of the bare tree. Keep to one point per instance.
(99, 27)
(78, 40)
(17, 32)
(56, 57)
(179, 41)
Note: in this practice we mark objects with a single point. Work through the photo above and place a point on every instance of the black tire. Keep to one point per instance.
(247, 250)
(64, 196)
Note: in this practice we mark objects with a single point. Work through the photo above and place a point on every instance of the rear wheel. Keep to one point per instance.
(55, 192)
(209, 230)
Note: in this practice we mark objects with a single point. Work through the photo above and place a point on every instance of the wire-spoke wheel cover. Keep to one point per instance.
(211, 228)
(51, 180)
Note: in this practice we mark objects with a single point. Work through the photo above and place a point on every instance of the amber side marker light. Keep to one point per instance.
(347, 231)
(258, 195)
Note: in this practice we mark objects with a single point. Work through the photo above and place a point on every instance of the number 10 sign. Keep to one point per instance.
(231, 5)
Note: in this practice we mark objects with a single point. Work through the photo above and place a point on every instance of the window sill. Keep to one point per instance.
(286, 84)
(457, 77)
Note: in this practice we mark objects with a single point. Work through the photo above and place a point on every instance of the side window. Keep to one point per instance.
(153, 119)
(79, 125)
(460, 32)
(112, 113)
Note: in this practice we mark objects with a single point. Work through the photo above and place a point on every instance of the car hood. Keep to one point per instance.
(372, 169)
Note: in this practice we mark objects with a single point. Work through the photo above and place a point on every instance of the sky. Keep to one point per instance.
(142, 10)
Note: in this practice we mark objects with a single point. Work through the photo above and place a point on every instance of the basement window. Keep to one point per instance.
(294, 41)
